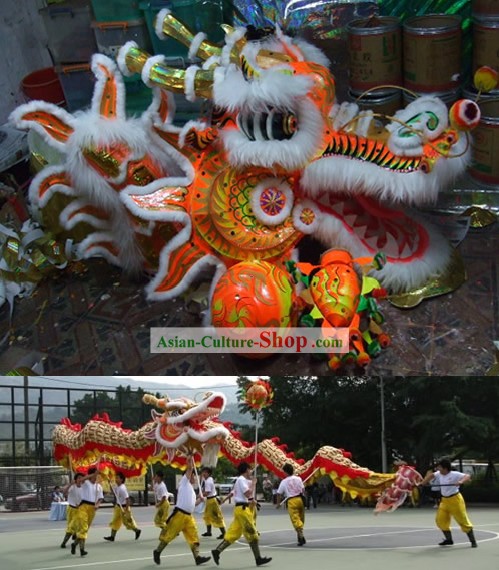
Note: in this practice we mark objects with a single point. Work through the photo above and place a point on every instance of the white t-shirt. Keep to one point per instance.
(241, 486)
(292, 486)
(186, 496)
(121, 493)
(448, 482)
(160, 491)
(74, 495)
(91, 492)
(208, 486)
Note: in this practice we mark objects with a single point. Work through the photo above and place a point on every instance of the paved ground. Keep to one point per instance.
(347, 538)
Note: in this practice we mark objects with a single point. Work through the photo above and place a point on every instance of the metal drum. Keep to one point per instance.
(432, 53)
(374, 46)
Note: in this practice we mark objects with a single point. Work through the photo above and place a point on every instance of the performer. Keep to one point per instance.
(161, 496)
(452, 502)
(182, 520)
(74, 500)
(292, 490)
(91, 499)
(244, 522)
(122, 513)
(212, 512)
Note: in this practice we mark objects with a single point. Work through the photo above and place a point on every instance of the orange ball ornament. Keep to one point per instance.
(464, 115)
(258, 395)
(486, 78)
(254, 294)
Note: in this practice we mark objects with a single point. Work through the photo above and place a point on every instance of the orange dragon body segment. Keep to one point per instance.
(188, 428)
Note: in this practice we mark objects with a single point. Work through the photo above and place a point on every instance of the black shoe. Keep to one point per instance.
(201, 560)
(137, 533)
(206, 534)
(73, 548)
(474, 545)
(156, 556)
(220, 537)
(216, 556)
(262, 560)
(63, 545)
(83, 552)
(446, 542)
(110, 538)
(301, 541)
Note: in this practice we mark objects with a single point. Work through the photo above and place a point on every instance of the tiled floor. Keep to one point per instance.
(96, 321)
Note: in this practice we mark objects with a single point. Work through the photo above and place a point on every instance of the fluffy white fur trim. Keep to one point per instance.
(271, 89)
(121, 58)
(312, 53)
(152, 112)
(197, 40)
(17, 120)
(34, 187)
(89, 248)
(230, 40)
(213, 60)
(158, 24)
(255, 200)
(291, 154)
(70, 216)
(190, 76)
(146, 70)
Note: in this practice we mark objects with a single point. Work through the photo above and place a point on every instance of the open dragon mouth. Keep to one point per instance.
(378, 227)
(268, 126)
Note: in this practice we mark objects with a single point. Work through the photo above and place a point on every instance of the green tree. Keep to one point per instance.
(123, 405)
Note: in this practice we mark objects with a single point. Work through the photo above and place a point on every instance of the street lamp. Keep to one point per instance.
(384, 466)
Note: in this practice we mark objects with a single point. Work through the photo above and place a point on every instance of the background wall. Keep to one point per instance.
(22, 49)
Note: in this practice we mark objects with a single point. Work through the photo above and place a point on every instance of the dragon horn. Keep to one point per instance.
(192, 81)
(168, 25)
(153, 401)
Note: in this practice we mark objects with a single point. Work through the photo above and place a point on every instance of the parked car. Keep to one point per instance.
(27, 497)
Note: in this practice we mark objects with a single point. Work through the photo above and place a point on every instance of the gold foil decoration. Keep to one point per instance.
(135, 59)
(170, 78)
(267, 59)
(106, 160)
(177, 30)
(480, 217)
(450, 280)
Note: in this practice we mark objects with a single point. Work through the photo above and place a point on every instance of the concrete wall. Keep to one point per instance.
(23, 49)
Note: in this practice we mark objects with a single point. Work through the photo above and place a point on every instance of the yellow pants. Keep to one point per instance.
(296, 511)
(122, 516)
(213, 513)
(86, 514)
(180, 523)
(73, 520)
(243, 524)
(453, 507)
(161, 514)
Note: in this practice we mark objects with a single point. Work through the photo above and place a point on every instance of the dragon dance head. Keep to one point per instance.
(274, 109)
(185, 425)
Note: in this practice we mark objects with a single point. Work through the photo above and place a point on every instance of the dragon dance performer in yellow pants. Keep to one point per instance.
(91, 498)
(292, 490)
(212, 511)
(244, 521)
(72, 511)
(122, 513)
(452, 504)
(162, 503)
(181, 520)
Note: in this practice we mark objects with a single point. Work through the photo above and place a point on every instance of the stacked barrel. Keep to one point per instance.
(485, 144)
